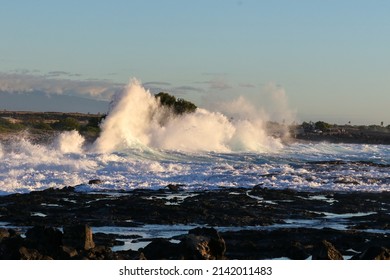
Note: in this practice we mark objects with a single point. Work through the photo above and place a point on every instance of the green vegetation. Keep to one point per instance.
(7, 125)
(179, 106)
(323, 126)
(36, 123)
(68, 123)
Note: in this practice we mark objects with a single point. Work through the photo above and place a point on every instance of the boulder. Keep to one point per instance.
(42, 237)
(296, 251)
(4, 233)
(374, 253)
(9, 247)
(325, 250)
(68, 252)
(78, 237)
(162, 249)
(203, 244)
(31, 254)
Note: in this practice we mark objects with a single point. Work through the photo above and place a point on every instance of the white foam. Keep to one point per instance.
(136, 120)
(143, 146)
(70, 142)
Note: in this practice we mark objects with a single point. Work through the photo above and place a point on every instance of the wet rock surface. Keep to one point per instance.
(227, 223)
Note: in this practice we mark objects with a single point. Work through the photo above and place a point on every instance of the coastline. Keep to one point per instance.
(246, 223)
(171, 223)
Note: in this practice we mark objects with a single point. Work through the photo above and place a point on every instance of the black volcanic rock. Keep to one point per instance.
(325, 250)
(204, 244)
(78, 236)
(270, 221)
(374, 253)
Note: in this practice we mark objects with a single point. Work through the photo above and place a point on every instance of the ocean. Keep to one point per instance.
(142, 145)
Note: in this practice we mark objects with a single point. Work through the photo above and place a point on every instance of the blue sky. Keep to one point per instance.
(331, 59)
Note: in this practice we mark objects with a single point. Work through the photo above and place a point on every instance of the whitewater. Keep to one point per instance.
(144, 145)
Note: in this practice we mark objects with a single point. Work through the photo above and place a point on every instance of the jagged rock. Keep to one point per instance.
(297, 251)
(132, 255)
(204, 244)
(45, 238)
(325, 250)
(9, 247)
(4, 233)
(373, 253)
(99, 253)
(31, 254)
(161, 249)
(68, 252)
(78, 237)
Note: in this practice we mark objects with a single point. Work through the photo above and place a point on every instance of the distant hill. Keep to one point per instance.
(41, 102)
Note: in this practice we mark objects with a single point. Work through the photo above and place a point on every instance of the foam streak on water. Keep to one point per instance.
(25, 167)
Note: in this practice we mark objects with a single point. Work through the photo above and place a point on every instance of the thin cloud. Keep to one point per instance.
(24, 83)
(188, 88)
(219, 84)
(53, 74)
(247, 85)
(154, 84)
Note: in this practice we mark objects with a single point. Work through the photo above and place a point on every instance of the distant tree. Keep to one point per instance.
(182, 106)
(323, 126)
(179, 106)
(166, 99)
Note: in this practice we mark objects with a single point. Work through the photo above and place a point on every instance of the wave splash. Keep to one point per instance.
(137, 120)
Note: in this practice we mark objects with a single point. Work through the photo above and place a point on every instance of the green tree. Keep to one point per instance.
(182, 106)
(166, 99)
(323, 126)
(179, 106)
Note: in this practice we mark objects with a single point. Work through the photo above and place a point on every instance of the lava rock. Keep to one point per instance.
(374, 253)
(296, 251)
(162, 249)
(46, 240)
(4, 233)
(203, 244)
(325, 250)
(78, 236)
(31, 254)
(9, 248)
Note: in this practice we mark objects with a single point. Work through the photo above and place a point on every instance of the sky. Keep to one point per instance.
(320, 60)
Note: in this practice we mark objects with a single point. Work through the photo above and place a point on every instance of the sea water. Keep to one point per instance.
(144, 145)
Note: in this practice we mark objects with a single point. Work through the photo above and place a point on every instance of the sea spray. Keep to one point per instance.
(196, 132)
(69, 142)
(129, 120)
(137, 120)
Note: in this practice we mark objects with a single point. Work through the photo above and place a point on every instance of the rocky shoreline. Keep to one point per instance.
(237, 223)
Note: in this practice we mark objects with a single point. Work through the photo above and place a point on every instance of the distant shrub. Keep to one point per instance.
(68, 123)
(179, 106)
(6, 125)
(323, 126)
(42, 125)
